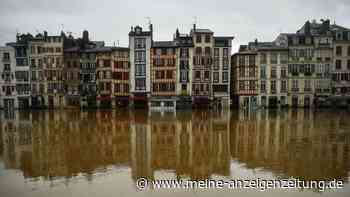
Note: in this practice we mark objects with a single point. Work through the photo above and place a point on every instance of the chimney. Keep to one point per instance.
(85, 36)
(307, 28)
(256, 42)
(325, 25)
(45, 34)
(177, 33)
(194, 27)
(17, 37)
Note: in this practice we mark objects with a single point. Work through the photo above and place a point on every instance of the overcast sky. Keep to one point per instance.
(110, 20)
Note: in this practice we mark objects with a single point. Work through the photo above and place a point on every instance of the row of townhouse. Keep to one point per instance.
(308, 68)
(45, 71)
(192, 69)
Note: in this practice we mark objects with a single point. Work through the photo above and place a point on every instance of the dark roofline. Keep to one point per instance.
(224, 37)
(164, 44)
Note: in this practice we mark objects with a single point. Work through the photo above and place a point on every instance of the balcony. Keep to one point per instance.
(295, 89)
(307, 89)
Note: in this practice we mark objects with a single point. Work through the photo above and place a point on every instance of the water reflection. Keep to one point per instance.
(196, 145)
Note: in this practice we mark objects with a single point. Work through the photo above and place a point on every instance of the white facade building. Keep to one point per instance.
(140, 43)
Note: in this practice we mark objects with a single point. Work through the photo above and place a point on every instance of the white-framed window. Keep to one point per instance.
(225, 77)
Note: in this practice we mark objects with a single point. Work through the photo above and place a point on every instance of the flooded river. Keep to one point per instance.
(104, 153)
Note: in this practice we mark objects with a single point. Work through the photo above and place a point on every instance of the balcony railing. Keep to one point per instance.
(307, 89)
(295, 89)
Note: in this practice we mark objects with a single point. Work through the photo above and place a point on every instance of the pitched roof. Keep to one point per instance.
(208, 31)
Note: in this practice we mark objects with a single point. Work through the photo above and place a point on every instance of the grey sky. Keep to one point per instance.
(110, 20)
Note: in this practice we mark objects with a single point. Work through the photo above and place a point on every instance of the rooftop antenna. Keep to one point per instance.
(195, 20)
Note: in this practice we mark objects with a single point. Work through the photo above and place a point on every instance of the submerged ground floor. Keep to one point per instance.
(290, 100)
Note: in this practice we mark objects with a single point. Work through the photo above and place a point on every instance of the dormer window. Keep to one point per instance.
(138, 30)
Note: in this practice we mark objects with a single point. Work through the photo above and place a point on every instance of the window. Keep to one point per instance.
(225, 52)
(216, 77)
(338, 51)
(198, 50)
(184, 76)
(274, 58)
(273, 72)
(140, 56)
(241, 85)
(7, 67)
(284, 58)
(6, 56)
(283, 73)
(242, 72)
(207, 51)
(198, 38)
(207, 38)
(140, 69)
(169, 74)
(225, 63)
(263, 86)
(58, 61)
(252, 72)
(295, 85)
(216, 52)
(273, 87)
(206, 75)
(32, 62)
(197, 75)
(225, 77)
(140, 43)
(251, 60)
(348, 65)
(251, 85)
(263, 72)
(284, 86)
(263, 58)
(140, 84)
(338, 64)
(184, 52)
(307, 85)
(216, 63)
(242, 60)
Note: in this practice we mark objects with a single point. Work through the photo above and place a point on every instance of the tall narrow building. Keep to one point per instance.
(221, 71)
(246, 76)
(71, 73)
(36, 55)
(341, 62)
(8, 95)
(140, 43)
(202, 65)
(53, 69)
(121, 77)
(163, 75)
(104, 78)
(22, 70)
(184, 65)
